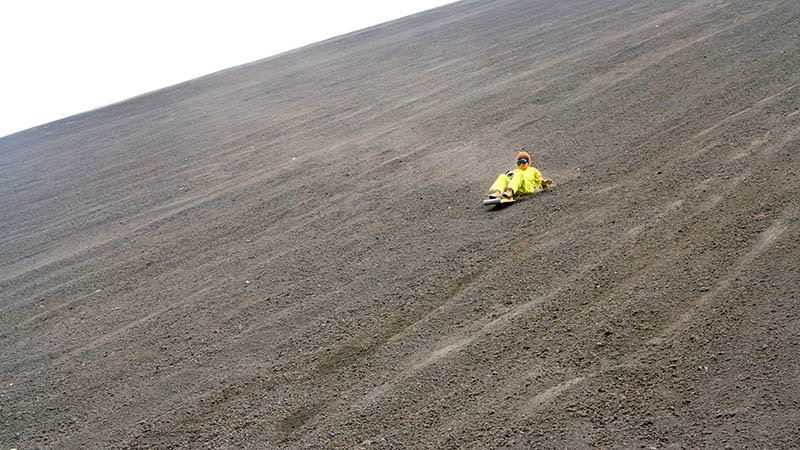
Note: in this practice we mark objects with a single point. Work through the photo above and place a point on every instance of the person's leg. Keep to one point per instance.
(498, 186)
(513, 186)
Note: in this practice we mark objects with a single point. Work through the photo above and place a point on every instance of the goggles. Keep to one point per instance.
(522, 161)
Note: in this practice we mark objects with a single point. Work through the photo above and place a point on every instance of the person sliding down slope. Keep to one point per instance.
(522, 181)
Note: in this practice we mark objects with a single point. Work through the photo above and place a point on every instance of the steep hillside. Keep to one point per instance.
(293, 253)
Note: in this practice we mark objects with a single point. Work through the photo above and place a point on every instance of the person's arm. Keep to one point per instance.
(537, 179)
(543, 184)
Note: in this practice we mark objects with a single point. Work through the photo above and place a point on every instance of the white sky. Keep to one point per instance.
(63, 57)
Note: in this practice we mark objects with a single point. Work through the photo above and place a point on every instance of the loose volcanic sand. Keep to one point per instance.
(293, 253)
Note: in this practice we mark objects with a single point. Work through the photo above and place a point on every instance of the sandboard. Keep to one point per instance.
(498, 201)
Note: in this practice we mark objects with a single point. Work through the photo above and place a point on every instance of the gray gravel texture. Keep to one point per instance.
(293, 253)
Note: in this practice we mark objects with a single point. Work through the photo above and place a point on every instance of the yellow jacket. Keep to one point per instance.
(521, 181)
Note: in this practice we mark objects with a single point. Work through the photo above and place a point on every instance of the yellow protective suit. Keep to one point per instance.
(521, 181)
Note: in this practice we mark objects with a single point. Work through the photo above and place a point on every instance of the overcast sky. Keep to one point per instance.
(61, 58)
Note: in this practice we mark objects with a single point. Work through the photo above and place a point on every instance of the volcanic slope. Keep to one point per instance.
(293, 254)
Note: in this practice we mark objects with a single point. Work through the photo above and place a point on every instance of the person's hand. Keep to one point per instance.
(546, 183)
